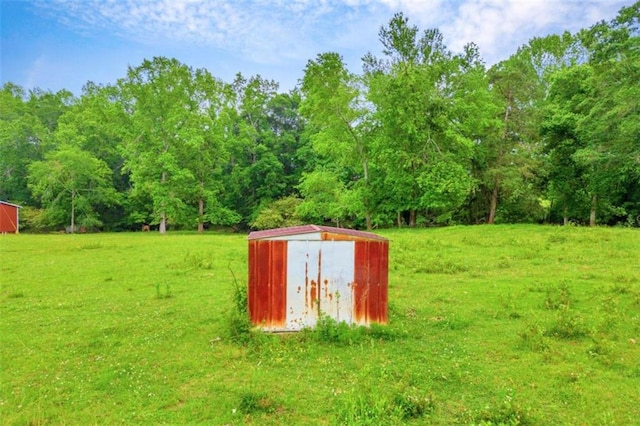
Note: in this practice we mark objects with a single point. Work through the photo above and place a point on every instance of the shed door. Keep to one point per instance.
(319, 278)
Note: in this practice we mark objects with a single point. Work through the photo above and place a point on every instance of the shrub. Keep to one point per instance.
(279, 213)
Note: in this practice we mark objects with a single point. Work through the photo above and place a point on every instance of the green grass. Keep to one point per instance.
(488, 325)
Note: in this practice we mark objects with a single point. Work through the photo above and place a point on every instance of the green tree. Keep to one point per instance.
(163, 112)
(612, 124)
(340, 124)
(259, 147)
(206, 151)
(96, 123)
(278, 214)
(508, 155)
(591, 124)
(411, 89)
(324, 196)
(70, 184)
(27, 123)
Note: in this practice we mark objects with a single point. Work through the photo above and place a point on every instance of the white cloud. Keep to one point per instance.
(499, 27)
(270, 31)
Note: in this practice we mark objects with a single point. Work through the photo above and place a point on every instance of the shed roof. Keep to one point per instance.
(327, 231)
(9, 204)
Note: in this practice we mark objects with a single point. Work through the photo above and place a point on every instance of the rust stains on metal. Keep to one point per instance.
(297, 275)
(267, 296)
(319, 281)
(313, 294)
(370, 282)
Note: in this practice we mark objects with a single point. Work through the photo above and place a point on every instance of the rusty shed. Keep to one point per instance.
(298, 274)
(9, 218)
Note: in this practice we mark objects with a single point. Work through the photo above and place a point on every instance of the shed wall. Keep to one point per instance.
(267, 295)
(371, 282)
(8, 218)
(319, 278)
(292, 283)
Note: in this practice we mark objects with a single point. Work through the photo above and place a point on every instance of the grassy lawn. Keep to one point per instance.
(488, 324)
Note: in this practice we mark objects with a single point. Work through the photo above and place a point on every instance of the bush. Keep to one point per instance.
(278, 214)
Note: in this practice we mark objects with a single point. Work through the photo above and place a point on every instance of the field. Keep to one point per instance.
(488, 325)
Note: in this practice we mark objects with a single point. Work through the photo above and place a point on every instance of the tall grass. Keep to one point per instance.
(488, 325)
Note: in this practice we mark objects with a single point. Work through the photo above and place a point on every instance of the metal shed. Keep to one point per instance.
(298, 274)
(9, 217)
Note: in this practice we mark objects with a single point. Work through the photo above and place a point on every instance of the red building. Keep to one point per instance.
(9, 218)
(298, 275)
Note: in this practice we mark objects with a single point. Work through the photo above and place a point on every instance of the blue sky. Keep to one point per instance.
(62, 44)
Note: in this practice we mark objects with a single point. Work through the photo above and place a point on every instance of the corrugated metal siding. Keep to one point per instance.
(319, 276)
(293, 281)
(370, 282)
(267, 296)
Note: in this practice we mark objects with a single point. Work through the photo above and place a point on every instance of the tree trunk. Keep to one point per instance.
(163, 216)
(163, 223)
(412, 218)
(200, 215)
(365, 168)
(592, 215)
(73, 211)
(399, 219)
(493, 206)
(494, 202)
(565, 218)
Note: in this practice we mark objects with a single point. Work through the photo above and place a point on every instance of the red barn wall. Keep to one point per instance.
(8, 218)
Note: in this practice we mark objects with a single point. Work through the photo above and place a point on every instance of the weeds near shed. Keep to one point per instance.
(239, 323)
(330, 331)
(199, 260)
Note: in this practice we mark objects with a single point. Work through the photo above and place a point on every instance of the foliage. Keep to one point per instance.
(240, 327)
(70, 183)
(323, 198)
(281, 213)
(422, 136)
(340, 126)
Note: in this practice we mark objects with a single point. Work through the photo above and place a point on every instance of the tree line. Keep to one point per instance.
(422, 136)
